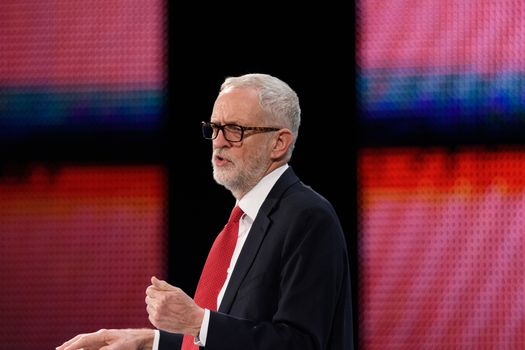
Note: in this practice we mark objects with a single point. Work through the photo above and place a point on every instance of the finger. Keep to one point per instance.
(154, 320)
(110, 347)
(69, 342)
(150, 302)
(162, 285)
(150, 310)
(154, 295)
(85, 341)
(151, 291)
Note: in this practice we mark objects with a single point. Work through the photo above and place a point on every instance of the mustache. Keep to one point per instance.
(221, 153)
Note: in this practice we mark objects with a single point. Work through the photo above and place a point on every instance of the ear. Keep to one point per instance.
(281, 144)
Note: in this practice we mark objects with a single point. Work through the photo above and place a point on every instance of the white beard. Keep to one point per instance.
(240, 176)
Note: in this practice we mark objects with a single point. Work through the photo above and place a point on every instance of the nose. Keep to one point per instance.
(220, 140)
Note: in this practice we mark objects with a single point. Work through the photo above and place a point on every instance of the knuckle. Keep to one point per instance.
(154, 319)
(102, 332)
(164, 299)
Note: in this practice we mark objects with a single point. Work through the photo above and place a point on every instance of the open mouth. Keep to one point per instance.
(219, 159)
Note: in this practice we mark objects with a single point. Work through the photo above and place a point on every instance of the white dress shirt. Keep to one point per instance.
(250, 205)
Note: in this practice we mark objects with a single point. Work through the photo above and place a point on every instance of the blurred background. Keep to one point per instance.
(413, 116)
(105, 179)
(441, 168)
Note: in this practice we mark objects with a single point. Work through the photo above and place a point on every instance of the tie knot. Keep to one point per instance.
(236, 214)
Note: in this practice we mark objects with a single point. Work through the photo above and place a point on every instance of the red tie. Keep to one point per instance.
(215, 269)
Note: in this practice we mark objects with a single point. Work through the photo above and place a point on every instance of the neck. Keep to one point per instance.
(238, 193)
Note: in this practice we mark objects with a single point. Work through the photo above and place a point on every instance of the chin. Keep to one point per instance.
(221, 177)
(230, 181)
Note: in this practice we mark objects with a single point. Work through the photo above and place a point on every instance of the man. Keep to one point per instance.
(288, 285)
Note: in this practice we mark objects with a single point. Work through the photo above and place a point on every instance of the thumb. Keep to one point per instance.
(160, 284)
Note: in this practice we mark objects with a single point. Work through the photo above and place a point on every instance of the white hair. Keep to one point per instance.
(277, 100)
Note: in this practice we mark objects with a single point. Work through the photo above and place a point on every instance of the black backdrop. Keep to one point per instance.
(311, 47)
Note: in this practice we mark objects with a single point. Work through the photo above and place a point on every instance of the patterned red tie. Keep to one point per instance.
(215, 269)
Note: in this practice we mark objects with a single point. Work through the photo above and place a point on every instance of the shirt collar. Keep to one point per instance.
(253, 200)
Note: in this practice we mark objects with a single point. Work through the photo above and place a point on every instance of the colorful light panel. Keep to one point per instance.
(81, 65)
(441, 68)
(78, 246)
(442, 248)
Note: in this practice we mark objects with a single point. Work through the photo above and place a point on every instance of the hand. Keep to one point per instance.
(112, 339)
(171, 309)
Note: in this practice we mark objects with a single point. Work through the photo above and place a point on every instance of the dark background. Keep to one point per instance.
(310, 47)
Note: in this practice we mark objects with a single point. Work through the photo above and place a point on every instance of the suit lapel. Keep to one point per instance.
(244, 262)
(255, 238)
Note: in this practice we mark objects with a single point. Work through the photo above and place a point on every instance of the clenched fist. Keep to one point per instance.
(172, 310)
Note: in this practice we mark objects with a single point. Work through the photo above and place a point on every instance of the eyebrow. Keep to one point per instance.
(228, 123)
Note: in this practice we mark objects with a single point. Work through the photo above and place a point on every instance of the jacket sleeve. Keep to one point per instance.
(170, 341)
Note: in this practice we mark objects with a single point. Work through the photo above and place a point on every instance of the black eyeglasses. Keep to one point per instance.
(231, 132)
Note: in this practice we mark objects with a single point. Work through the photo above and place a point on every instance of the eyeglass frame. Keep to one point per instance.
(219, 127)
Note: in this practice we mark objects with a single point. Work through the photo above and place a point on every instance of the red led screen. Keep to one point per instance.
(88, 43)
(78, 246)
(466, 36)
(442, 249)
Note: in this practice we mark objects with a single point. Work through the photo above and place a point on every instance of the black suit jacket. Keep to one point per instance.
(290, 288)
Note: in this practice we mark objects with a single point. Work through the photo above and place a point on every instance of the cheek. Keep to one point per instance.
(258, 157)
(249, 155)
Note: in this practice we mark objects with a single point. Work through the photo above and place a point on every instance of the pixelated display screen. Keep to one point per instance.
(81, 67)
(442, 242)
(432, 69)
(78, 246)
